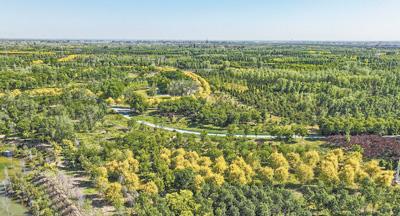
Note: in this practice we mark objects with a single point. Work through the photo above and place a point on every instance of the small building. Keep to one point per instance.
(7, 153)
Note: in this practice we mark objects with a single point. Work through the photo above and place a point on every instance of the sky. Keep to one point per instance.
(322, 20)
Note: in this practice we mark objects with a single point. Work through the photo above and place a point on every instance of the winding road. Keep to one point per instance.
(126, 113)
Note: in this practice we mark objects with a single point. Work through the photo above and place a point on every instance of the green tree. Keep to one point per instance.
(182, 203)
(137, 102)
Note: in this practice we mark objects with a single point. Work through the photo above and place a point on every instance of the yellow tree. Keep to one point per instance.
(293, 159)
(217, 179)
(131, 181)
(204, 161)
(361, 175)
(220, 165)
(372, 168)
(266, 174)
(236, 174)
(381, 177)
(354, 160)
(328, 169)
(348, 175)
(101, 183)
(150, 187)
(165, 155)
(304, 173)
(281, 175)
(339, 153)
(240, 172)
(179, 162)
(110, 101)
(277, 160)
(114, 195)
(333, 159)
(385, 178)
(198, 182)
(311, 158)
(206, 172)
(101, 172)
(192, 157)
(182, 203)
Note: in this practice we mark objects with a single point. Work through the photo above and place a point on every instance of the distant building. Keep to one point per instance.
(7, 153)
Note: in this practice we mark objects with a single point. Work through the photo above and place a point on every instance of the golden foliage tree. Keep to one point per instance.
(266, 173)
(150, 187)
(328, 169)
(277, 160)
(311, 158)
(113, 194)
(240, 172)
(348, 175)
(220, 165)
(304, 173)
(294, 159)
(281, 175)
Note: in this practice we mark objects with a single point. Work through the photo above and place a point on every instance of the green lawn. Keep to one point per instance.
(11, 164)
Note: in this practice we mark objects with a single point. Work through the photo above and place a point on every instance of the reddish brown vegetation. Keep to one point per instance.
(374, 146)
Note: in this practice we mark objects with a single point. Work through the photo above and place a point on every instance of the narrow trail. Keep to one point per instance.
(126, 113)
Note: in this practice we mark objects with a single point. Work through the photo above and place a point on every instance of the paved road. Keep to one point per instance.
(126, 113)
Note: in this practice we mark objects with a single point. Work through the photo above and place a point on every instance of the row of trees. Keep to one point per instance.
(354, 126)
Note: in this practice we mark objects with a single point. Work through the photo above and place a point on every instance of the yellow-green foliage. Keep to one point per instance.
(277, 160)
(220, 165)
(294, 159)
(182, 203)
(266, 173)
(304, 173)
(27, 52)
(281, 174)
(281, 169)
(240, 172)
(150, 187)
(235, 87)
(205, 89)
(380, 176)
(15, 93)
(110, 101)
(37, 62)
(311, 158)
(328, 169)
(113, 194)
(44, 92)
(67, 58)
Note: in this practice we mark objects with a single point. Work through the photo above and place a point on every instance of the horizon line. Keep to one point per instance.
(189, 40)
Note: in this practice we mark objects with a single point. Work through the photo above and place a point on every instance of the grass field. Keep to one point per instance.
(12, 166)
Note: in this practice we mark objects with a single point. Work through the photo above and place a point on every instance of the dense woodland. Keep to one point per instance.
(58, 95)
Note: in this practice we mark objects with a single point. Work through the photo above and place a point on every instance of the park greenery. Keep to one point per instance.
(327, 106)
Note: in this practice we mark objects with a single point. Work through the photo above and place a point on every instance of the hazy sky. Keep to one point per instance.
(202, 19)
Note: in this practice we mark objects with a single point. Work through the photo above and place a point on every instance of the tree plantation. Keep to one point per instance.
(201, 128)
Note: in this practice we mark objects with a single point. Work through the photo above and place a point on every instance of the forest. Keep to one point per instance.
(258, 128)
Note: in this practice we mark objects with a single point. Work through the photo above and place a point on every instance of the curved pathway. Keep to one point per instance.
(126, 113)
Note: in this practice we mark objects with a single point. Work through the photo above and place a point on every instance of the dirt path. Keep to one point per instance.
(81, 183)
